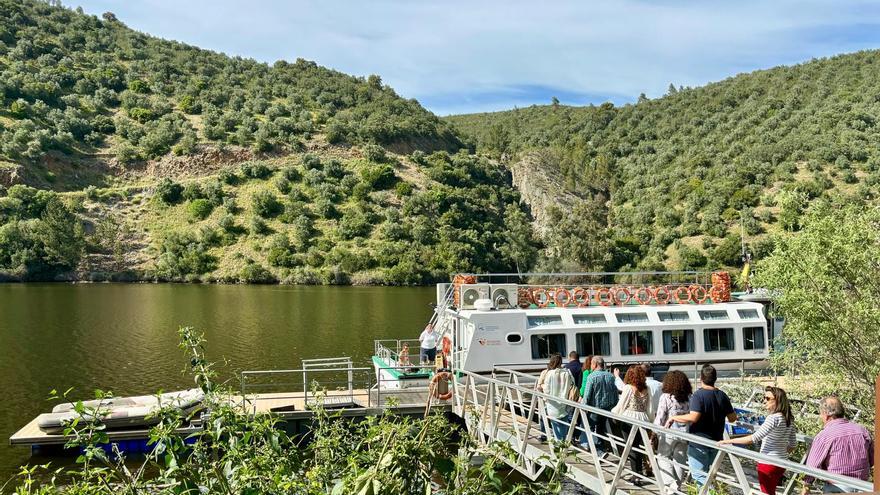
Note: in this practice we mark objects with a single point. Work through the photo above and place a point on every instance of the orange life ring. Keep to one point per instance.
(537, 295)
(698, 293)
(524, 297)
(581, 297)
(643, 295)
(681, 294)
(561, 292)
(621, 296)
(608, 300)
(443, 375)
(661, 294)
(446, 345)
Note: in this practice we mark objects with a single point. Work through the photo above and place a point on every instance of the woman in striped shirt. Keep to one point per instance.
(776, 434)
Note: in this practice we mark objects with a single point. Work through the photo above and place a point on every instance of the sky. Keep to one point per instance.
(485, 55)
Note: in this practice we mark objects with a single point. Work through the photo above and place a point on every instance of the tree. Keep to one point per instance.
(520, 245)
(825, 283)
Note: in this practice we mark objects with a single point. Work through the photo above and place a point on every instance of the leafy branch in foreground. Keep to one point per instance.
(239, 453)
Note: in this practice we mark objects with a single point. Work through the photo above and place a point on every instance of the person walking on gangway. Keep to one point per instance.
(842, 447)
(600, 392)
(709, 407)
(671, 450)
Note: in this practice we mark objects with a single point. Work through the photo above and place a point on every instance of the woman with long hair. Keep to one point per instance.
(635, 402)
(777, 435)
(672, 451)
(557, 382)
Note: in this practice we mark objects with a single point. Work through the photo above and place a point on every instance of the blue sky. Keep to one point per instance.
(471, 56)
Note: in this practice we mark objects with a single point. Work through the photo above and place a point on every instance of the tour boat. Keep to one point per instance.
(675, 325)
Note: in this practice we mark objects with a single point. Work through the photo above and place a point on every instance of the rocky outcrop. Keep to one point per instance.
(541, 187)
(10, 174)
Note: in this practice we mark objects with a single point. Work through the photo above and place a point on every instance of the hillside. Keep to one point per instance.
(128, 157)
(673, 180)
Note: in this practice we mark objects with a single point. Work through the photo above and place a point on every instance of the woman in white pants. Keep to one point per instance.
(674, 401)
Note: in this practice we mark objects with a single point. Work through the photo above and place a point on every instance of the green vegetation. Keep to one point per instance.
(682, 173)
(39, 235)
(825, 278)
(239, 453)
(74, 83)
(298, 174)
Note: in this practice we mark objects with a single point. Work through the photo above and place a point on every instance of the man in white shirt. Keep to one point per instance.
(428, 340)
(654, 387)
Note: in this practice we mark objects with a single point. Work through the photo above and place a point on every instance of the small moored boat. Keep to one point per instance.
(121, 412)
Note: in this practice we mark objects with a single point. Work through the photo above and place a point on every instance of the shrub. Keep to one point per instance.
(182, 255)
(254, 273)
(265, 204)
(311, 162)
(255, 170)
(379, 177)
(228, 176)
(403, 189)
(375, 153)
(291, 173)
(258, 226)
(200, 208)
(282, 184)
(169, 192)
(192, 191)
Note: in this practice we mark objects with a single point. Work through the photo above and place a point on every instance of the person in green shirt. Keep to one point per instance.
(588, 363)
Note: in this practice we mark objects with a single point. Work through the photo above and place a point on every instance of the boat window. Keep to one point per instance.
(718, 339)
(514, 338)
(673, 315)
(714, 314)
(589, 319)
(636, 343)
(544, 321)
(678, 341)
(632, 317)
(545, 345)
(594, 344)
(753, 338)
(748, 314)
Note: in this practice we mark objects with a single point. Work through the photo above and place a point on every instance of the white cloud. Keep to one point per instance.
(436, 50)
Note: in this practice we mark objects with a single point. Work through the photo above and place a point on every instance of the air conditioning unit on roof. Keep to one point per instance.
(469, 293)
(504, 296)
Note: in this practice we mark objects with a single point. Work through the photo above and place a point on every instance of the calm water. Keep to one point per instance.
(124, 337)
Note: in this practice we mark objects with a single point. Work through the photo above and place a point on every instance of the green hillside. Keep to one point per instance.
(124, 156)
(680, 175)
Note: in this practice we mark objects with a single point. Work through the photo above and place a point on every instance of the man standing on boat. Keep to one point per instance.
(428, 340)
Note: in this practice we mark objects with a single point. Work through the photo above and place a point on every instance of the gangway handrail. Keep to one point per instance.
(734, 451)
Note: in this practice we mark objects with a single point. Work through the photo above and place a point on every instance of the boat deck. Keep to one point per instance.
(287, 406)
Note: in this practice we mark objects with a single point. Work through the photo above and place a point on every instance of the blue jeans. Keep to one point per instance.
(830, 488)
(560, 429)
(599, 426)
(700, 458)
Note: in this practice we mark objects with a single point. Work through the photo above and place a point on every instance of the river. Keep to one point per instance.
(123, 337)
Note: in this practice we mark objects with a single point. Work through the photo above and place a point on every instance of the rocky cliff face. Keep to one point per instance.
(541, 188)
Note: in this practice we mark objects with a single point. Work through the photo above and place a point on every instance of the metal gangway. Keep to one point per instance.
(503, 413)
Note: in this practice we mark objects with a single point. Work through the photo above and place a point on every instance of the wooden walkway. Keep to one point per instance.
(290, 406)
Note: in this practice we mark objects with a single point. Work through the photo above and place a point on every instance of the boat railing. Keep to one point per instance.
(390, 350)
(596, 278)
(504, 407)
(334, 381)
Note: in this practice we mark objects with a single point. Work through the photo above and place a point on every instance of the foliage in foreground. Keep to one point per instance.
(826, 287)
(238, 454)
